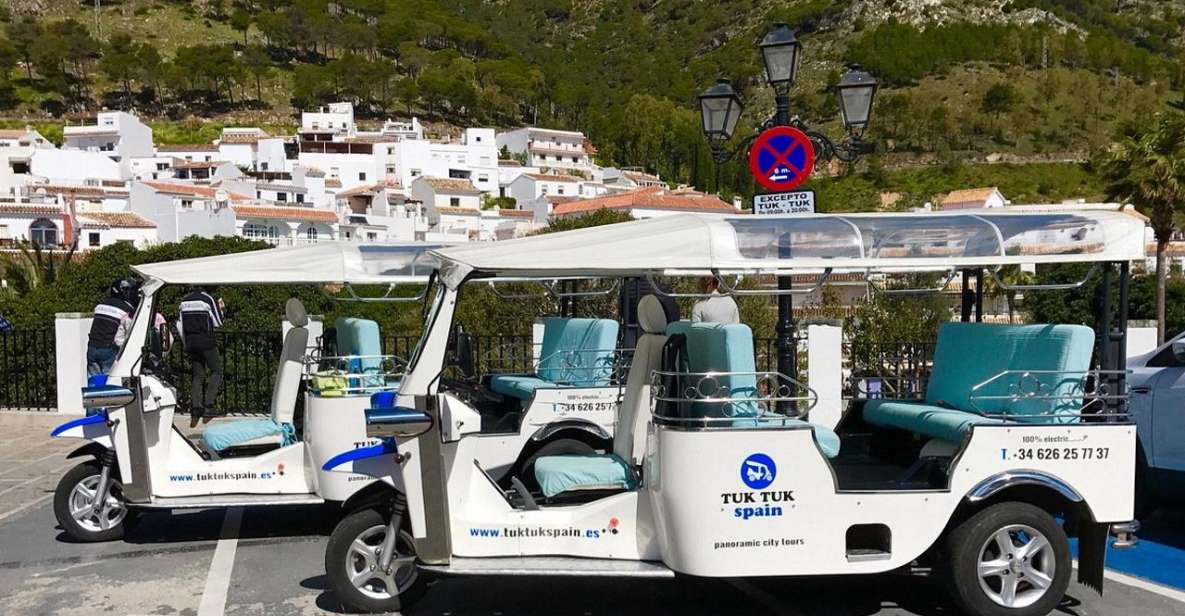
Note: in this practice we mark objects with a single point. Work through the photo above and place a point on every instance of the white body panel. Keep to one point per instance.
(712, 524)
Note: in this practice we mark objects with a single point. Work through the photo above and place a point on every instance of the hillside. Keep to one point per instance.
(965, 80)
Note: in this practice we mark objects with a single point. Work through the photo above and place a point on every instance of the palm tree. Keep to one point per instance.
(1010, 276)
(1146, 167)
(31, 267)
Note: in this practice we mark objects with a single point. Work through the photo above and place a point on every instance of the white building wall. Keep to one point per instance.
(75, 166)
(352, 169)
(240, 154)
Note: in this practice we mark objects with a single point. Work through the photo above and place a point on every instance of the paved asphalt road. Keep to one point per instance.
(176, 564)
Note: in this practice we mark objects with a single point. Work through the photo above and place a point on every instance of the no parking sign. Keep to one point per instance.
(781, 158)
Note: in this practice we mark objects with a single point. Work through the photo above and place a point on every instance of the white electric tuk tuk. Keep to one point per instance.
(717, 469)
(140, 460)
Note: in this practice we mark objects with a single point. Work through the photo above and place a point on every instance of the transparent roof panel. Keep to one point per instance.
(796, 238)
(1048, 234)
(917, 236)
(398, 260)
(914, 237)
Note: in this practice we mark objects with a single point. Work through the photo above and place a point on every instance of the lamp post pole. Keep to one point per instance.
(785, 327)
(721, 106)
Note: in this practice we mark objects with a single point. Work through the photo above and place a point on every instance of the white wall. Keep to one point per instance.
(75, 166)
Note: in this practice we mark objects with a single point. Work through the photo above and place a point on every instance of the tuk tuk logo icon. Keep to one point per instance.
(758, 471)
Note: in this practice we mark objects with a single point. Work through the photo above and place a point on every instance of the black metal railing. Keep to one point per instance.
(28, 374)
(887, 370)
(28, 370)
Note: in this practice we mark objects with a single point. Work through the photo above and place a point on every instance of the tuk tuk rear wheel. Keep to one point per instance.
(351, 565)
(73, 498)
(1011, 559)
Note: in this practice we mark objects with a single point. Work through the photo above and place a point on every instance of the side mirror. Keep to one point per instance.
(1178, 347)
(398, 422)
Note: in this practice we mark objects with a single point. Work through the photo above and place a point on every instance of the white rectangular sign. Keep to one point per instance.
(796, 202)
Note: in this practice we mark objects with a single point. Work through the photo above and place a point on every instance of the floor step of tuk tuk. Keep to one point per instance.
(230, 500)
(552, 566)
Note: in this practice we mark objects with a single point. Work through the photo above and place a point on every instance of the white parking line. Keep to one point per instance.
(218, 580)
(1152, 587)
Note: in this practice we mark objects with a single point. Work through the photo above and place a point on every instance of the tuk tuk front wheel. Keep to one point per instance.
(353, 565)
(74, 505)
(1011, 559)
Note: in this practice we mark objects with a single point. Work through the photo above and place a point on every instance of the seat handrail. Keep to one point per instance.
(1029, 386)
(614, 360)
(551, 290)
(391, 368)
(772, 389)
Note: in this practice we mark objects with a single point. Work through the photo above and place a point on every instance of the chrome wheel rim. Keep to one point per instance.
(82, 498)
(364, 572)
(1017, 566)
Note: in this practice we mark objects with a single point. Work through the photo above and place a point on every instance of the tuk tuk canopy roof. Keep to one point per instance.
(924, 241)
(324, 262)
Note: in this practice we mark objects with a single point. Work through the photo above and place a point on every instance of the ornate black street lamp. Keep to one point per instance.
(721, 107)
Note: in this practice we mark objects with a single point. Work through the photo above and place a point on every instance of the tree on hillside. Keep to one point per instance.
(240, 21)
(998, 99)
(24, 34)
(1146, 166)
(259, 64)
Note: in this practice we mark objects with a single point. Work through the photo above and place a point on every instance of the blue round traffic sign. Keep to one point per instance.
(781, 158)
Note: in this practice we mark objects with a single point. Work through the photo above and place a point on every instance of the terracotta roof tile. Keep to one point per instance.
(189, 189)
(187, 147)
(516, 213)
(120, 220)
(452, 186)
(969, 195)
(458, 211)
(654, 198)
(333, 183)
(243, 136)
(30, 210)
(545, 177)
(287, 213)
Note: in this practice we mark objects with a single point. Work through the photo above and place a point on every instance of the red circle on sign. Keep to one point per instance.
(782, 158)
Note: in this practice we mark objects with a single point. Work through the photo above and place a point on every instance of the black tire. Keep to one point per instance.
(558, 447)
(338, 558)
(63, 494)
(970, 540)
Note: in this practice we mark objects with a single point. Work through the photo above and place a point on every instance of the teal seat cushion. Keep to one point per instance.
(827, 439)
(559, 474)
(577, 352)
(517, 386)
(228, 434)
(968, 354)
(721, 348)
(361, 342)
(937, 422)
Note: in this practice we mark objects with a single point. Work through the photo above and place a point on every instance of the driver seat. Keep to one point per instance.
(615, 471)
(278, 429)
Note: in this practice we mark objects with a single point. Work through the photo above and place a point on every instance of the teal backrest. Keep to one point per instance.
(716, 347)
(359, 337)
(578, 351)
(968, 354)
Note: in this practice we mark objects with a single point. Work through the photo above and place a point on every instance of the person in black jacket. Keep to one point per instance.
(110, 325)
(201, 314)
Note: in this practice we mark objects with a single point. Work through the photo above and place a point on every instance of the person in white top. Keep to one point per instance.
(717, 308)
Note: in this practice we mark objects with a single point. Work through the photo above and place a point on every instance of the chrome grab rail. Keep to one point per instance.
(1030, 386)
(549, 286)
(1063, 286)
(385, 297)
(770, 390)
(727, 290)
(938, 289)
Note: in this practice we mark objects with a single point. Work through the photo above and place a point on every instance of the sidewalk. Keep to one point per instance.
(31, 461)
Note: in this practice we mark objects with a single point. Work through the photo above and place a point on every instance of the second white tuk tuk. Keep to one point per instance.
(138, 459)
(1020, 440)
